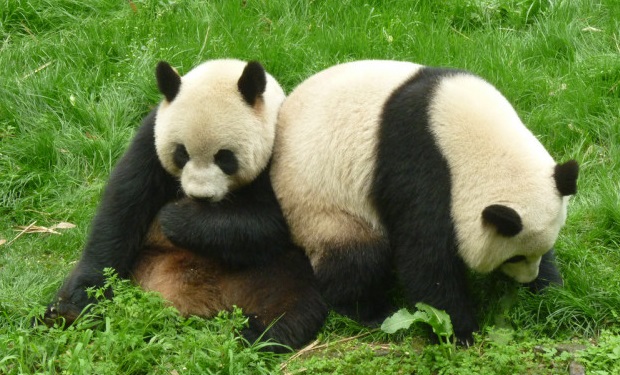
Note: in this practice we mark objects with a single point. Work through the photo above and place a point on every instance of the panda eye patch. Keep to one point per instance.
(516, 259)
(180, 156)
(227, 161)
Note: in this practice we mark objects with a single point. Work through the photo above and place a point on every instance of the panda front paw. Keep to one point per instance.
(464, 339)
(464, 328)
(72, 298)
(60, 312)
(173, 223)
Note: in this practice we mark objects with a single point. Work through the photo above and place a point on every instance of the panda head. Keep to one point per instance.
(509, 197)
(529, 235)
(215, 128)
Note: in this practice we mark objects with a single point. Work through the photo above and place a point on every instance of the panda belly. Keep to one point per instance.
(190, 283)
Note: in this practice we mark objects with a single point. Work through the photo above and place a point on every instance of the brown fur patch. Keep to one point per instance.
(188, 281)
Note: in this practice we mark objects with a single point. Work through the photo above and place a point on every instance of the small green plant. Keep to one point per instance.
(438, 320)
(604, 355)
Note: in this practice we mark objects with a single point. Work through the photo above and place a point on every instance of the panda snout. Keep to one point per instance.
(207, 184)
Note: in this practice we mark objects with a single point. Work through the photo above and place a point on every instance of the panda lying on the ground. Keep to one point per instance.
(189, 210)
(383, 164)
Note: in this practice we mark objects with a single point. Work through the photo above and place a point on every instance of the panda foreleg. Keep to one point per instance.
(281, 300)
(138, 187)
(238, 233)
(438, 280)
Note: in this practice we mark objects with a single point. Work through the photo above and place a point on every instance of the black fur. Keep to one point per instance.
(252, 82)
(137, 189)
(506, 220)
(227, 161)
(357, 286)
(247, 227)
(565, 176)
(168, 81)
(180, 156)
(287, 285)
(413, 199)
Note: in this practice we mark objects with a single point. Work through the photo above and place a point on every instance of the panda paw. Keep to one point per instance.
(70, 302)
(464, 331)
(464, 339)
(257, 332)
(173, 219)
(59, 313)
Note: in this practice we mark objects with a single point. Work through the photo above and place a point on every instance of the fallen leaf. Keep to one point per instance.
(2, 241)
(63, 225)
(35, 229)
(590, 28)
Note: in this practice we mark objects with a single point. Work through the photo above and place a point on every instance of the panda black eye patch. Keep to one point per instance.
(180, 156)
(227, 161)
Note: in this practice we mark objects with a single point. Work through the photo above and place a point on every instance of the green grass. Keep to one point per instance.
(76, 78)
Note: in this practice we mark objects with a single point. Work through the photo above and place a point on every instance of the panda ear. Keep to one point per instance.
(252, 82)
(506, 220)
(168, 80)
(565, 176)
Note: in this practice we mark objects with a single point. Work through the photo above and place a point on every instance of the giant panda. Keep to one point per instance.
(189, 210)
(389, 171)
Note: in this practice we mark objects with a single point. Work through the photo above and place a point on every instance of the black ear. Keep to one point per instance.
(565, 176)
(252, 82)
(168, 80)
(506, 220)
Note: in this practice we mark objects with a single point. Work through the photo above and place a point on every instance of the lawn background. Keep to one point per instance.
(76, 78)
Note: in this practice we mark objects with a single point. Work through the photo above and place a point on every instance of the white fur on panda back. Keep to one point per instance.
(326, 143)
(209, 114)
(494, 159)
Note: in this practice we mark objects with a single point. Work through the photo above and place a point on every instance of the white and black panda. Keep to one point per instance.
(189, 210)
(383, 165)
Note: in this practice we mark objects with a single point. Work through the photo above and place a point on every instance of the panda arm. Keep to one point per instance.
(138, 187)
(247, 227)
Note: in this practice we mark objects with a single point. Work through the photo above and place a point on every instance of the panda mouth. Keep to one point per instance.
(516, 259)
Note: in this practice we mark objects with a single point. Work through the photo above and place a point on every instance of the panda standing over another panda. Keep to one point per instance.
(387, 165)
(189, 210)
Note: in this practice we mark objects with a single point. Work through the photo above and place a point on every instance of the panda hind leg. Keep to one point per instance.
(281, 300)
(352, 263)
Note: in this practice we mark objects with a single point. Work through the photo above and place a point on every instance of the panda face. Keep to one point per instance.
(213, 181)
(517, 250)
(216, 127)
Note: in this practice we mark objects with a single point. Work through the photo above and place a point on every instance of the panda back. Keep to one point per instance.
(326, 136)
